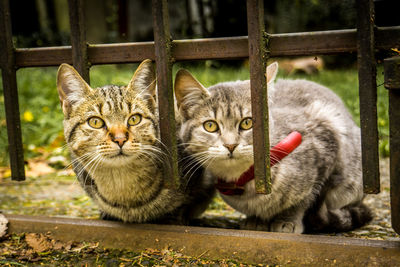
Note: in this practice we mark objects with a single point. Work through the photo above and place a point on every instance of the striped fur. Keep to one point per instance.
(121, 165)
(318, 187)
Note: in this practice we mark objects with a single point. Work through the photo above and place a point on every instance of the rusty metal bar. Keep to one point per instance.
(368, 95)
(132, 52)
(78, 38)
(165, 91)
(259, 99)
(392, 82)
(252, 247)
(288, 44)
(10, 91)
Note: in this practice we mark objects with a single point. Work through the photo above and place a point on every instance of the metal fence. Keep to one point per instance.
(366, 40)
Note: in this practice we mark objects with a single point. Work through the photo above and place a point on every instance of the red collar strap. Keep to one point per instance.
(277, 153)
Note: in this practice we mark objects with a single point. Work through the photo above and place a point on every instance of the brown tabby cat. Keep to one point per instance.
(113, 137)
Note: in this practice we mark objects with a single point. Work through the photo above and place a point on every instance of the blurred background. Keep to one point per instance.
(42, 23)
(46, 22)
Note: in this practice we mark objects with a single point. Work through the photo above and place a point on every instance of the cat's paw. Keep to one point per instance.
(254, 223)
(287, 227)
(108, 217)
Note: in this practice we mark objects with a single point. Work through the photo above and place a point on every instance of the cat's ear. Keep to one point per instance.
(271, 72)
(71, 87)
(188, 90)
(144, 80)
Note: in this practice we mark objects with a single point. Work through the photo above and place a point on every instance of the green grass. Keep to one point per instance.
(41, 115)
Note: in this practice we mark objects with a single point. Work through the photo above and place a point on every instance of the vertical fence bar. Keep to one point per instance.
(259, 99)
(163, 45)
(392, 83)
(78, 38)
(368, 95)
(7, 61)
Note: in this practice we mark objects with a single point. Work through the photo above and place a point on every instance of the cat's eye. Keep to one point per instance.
(211, 126)
(135, 120)
(246, 124)
(96, 122)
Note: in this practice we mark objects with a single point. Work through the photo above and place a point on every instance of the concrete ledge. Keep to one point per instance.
(213, 243)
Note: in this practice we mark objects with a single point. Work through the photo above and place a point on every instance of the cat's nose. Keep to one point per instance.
(119, 137)
(231, 147)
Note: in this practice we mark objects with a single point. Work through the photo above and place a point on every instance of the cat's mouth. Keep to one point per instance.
(120, 154)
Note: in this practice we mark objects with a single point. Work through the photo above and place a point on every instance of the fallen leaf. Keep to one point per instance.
(58, 245)
(152, 251)
(26, 254)
(3, 225)
(38, 242)
(38, 168)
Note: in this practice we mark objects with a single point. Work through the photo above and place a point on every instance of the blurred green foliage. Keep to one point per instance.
(41, 115)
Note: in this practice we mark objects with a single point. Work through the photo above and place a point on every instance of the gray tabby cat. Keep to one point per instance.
(113, 137)
(317, 187)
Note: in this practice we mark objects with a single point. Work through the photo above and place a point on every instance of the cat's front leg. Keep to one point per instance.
(296, 227)
(254, 223)
(289, 222)
(108, 217)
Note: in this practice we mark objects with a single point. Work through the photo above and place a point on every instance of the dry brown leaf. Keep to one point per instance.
(57, 245)
(3, 225)
(26, 254)
(152, 251)
(38, 242)
(38, 168)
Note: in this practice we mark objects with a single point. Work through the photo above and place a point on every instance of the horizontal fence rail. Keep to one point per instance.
(288, 44)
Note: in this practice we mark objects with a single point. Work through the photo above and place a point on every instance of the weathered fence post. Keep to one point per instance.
(78, 38)
(10, 90)
(392, 83)
(258, 56)
(163, 45)
(368, 95)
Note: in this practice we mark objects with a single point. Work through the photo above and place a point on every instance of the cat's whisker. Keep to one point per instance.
(84, 167)
(156, 152)
(144, 90)
(149, 156)
(193, 161)
(192, 156)
(96, 164)
(81, 158)
(201, 164)
(197, 163)
(166, 150)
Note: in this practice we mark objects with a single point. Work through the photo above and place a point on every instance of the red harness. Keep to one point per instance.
(277, 153)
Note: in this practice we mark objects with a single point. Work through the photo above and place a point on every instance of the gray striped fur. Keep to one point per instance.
(318, 187)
